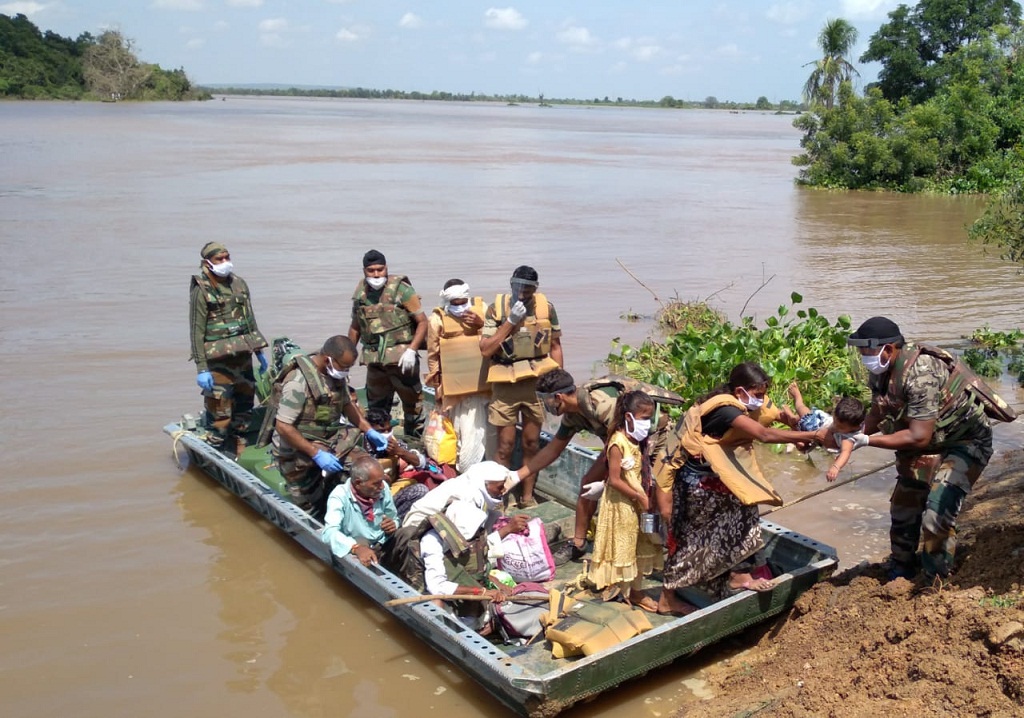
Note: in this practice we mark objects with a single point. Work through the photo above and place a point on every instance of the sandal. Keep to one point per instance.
(644, 604)
(748, 583)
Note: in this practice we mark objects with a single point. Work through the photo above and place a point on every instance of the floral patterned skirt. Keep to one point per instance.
(712, 531)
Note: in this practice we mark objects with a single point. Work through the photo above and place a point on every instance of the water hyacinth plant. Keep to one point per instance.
(801, 345)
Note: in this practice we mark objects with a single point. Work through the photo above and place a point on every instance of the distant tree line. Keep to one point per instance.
(947, 112)
(762, 103)
(36, 65)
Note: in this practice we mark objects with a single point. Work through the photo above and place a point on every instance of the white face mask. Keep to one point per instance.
(376, 282)
(873, 362)
(457, 310)
(752, 403)
(641, 428)
(223, 269)
(336, 373)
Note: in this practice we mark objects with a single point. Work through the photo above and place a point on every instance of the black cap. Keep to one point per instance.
(525, 272)
(875, 332)
(373, 257)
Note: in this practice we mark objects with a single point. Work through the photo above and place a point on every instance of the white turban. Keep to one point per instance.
(458, 291)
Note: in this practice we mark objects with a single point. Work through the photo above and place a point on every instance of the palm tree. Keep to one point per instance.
(836, 40)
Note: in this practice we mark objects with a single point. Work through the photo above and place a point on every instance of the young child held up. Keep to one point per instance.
(623, 555)
(847, 420)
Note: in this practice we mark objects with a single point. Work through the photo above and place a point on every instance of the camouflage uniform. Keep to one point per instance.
(386, 324)
(931, 483)
(317, 413)
(224, 336)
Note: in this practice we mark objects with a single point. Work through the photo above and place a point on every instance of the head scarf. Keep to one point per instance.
(466, 517)
(458, 291)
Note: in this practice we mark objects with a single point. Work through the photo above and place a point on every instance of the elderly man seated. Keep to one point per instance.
(361, 516)
(481, 487)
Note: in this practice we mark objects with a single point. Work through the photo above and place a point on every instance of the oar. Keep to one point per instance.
(829, 488)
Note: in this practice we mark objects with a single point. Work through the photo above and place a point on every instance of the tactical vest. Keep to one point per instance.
(465, 560)
(530, 344)
(730, 457)
(320, 420)
(463, 367)
(964, 395)
(385, 328)
(230, 327)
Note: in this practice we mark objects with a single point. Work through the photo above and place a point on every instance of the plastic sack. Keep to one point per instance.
(439, 438)
(527, 556)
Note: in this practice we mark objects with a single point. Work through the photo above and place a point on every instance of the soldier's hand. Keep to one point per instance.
(593, 490)
(327, 462)
(263, 361)
(517, 313)
(407, 362)
(860, 439)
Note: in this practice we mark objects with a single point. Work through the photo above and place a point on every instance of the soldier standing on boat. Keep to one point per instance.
(457, 370)
(931, 409)
(388, 318)
(224, 339)
(522, 339)
(310, 440)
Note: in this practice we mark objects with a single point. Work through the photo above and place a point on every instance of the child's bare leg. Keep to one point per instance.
(802, 409)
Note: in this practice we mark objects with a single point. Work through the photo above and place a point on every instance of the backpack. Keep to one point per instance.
(284, 356)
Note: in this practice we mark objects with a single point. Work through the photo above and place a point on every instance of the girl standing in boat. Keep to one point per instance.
(716, 487)
(623, 555)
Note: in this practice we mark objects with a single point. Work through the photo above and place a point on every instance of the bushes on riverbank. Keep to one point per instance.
(702, 347)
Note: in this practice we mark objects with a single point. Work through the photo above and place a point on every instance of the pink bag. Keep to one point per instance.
(527, 556)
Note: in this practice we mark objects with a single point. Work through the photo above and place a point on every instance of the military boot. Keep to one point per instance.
(413, 427)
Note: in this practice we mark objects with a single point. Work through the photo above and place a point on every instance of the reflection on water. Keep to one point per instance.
(130, 605)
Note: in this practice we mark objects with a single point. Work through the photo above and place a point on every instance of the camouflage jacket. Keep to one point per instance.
(320, 405)
(221, 319)
(386, 325)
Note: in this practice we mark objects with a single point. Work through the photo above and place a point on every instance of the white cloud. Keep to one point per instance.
(22, 8)
(505, 19)
(274, 24)
(577, 38)
(534, 58)
(410, 20)
(189, 5)
(729, 50)
(352, 34)
(868, 9)
(642, 48)
(195, 43)
(245, 3)
(788, 13)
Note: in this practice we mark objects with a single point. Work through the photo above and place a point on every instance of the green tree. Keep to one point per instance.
(914, 44)
(710, 102)
(1001, 225)
(836, 40)
(112, 69)
(762, 103)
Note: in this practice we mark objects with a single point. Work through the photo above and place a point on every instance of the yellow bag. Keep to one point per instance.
(439, 438)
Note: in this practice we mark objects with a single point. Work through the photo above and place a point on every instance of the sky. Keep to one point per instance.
(735, 50)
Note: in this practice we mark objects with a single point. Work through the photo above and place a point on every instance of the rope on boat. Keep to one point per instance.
(182, 464)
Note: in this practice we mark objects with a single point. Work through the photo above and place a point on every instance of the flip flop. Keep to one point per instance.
(645, 604)
(752, 584)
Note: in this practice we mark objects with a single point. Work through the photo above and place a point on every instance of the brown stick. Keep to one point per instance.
(829, 488)
(637, 280)
(459, 597)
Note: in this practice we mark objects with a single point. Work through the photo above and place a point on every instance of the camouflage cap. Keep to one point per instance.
(211, 249)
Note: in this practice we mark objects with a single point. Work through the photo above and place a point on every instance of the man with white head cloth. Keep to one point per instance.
(457, 370)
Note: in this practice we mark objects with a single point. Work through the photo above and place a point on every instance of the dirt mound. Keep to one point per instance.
(859, 646)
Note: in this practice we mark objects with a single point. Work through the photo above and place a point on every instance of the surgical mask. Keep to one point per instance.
(752, 403)
(873, 363)
(223, 269)
(336, 373)
(457, 310)
(376, 282)
(641, 428)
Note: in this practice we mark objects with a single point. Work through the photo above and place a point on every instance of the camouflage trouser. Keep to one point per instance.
(930, 491)
(383, 381)
(229, 403)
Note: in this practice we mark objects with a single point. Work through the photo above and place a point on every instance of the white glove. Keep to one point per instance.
(511, 479)
(593, 491)
(859, 439)
(517, 313)
(407, 362)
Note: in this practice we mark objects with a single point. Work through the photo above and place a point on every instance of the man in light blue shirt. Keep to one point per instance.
(361, 514)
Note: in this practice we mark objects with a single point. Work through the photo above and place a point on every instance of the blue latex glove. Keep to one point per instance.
(262, 360)
(205, 380)
(377, 439)
(327, 462)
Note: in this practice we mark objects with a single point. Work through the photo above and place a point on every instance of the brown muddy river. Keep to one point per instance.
(128, 588)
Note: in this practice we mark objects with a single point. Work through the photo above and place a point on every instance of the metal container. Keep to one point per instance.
(650, 523)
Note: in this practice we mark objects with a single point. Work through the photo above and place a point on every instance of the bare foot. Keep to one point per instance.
(794, 393)
(669, 604)
(641, 600)
(740, 581)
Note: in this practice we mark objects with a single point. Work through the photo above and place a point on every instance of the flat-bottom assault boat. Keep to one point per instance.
(526, 678)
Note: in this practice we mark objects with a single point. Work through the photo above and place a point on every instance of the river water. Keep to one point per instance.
(128, 588)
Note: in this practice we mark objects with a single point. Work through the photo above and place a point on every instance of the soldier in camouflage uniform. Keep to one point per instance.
(941, 436)
(310, 440)
(224, 338)
(388, 318)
